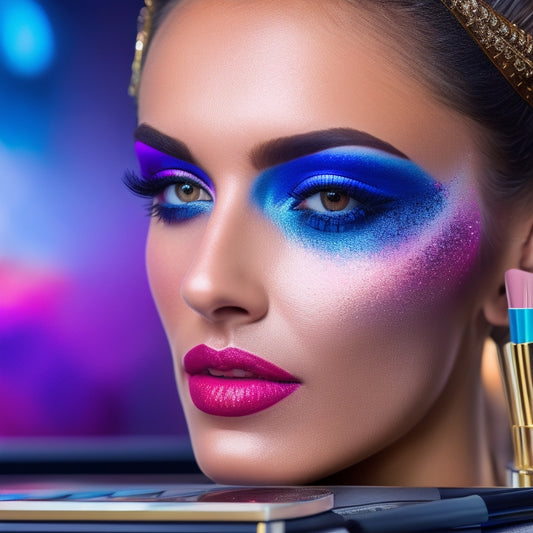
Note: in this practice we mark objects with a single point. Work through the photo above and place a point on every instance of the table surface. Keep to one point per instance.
(345, 496)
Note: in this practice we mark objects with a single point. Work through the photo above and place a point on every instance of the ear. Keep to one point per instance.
(519, 255)
(527, 256)
(495, 307)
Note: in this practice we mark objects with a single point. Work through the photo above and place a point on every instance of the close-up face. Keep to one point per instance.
(314, 251)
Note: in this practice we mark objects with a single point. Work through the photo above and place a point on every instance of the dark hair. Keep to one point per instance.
(461, 76)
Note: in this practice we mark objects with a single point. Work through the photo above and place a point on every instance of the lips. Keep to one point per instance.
(233, 382)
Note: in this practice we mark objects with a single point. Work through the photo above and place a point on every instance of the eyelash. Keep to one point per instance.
(153, 188)
(370, 202)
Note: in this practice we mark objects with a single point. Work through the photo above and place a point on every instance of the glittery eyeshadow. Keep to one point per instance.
(450, 248)
(396, 200)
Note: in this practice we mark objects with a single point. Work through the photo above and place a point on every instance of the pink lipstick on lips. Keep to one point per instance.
(232, 382)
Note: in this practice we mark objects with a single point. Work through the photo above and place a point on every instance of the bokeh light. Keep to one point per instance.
(27, 38)
(82, 350)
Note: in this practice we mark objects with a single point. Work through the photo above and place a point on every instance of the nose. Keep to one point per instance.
(225, 281)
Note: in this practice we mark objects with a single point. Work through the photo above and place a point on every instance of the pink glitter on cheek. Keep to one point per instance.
(451, 248)
(437, 260)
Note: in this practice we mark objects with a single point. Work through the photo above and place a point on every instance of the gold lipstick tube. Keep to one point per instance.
(516, 363)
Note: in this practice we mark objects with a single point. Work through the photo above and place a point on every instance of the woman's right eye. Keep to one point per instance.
(180, 201)
(183, 193)
(175, 195)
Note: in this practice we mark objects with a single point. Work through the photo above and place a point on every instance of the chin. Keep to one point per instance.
(254, 472)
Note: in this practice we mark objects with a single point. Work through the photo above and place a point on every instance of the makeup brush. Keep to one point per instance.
(516, 362)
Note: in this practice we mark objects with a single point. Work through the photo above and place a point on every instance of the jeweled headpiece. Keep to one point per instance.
(507, 46)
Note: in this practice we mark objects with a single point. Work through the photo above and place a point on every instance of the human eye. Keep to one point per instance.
(174, 195)
(183, 192)
(330, 201)
(333, 203)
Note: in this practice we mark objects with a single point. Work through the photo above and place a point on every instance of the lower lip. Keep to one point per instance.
(236, 397)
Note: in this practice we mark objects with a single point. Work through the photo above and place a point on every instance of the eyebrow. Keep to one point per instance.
(164, 143)
(275, 151)
(284, 149)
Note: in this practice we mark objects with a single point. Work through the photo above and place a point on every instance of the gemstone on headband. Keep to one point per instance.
(507, 46)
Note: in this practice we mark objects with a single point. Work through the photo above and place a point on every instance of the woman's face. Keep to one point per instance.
(316, 238)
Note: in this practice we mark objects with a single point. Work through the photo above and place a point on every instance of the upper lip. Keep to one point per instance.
(201, 358)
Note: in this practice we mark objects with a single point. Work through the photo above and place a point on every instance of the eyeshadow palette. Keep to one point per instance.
(174, 505)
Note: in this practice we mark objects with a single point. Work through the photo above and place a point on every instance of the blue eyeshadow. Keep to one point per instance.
(395, 200)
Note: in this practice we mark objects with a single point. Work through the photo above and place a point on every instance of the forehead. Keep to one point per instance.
(226, 72)
(241, 51)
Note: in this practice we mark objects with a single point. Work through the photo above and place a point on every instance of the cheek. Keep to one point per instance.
(167, 260)
(437, 267)
(378, 336)
(433, 265)
(399, 303)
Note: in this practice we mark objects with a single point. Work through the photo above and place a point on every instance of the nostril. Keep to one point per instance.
(229, 311)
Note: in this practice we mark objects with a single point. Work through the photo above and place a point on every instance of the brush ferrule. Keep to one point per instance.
(521, 325)
(516, 362)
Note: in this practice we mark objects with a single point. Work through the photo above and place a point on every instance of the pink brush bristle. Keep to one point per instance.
(519, 286)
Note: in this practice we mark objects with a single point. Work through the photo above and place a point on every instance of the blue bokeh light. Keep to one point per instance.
(26, 38)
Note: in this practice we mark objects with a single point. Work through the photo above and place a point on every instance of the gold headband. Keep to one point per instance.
(144, 26)
(508, 47)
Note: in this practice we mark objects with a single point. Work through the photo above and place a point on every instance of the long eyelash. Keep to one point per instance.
(365, 194)
(371, 202)
(154, 210)
(145, 188)
(151, 188)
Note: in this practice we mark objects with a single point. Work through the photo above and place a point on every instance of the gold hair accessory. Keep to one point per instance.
(508, 47)
(144, 25)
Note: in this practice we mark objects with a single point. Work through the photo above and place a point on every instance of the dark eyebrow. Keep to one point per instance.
(284, 149)
(275, 151)
(163, 143)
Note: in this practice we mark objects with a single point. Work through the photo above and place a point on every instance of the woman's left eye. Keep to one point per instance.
(334, 204)
(329, 200)
(183, 193)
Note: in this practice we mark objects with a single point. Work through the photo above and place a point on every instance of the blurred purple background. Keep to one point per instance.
(82, 351)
